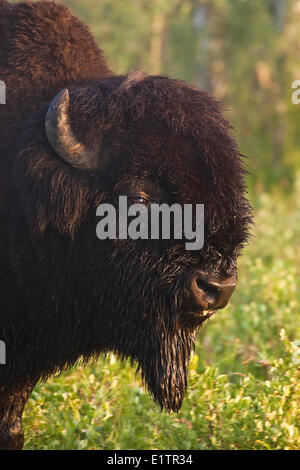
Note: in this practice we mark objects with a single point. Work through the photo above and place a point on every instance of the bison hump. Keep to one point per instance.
(44, 48)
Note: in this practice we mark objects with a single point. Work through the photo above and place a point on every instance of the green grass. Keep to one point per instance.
(244, 384)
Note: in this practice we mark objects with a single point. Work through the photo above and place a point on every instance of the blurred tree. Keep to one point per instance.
(246, 52)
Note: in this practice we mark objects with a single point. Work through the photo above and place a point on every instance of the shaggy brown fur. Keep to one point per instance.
(63, 293)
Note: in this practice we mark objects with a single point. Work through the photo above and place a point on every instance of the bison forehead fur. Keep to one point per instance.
(63, 293)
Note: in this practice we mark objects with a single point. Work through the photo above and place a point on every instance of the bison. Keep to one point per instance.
(75, 135)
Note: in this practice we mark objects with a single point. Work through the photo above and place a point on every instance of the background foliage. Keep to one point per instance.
(244, 378)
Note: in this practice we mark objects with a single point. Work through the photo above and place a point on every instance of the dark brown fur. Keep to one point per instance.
(63, 293)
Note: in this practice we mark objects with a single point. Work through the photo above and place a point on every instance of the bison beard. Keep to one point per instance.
(164, 364)
(155, 328)
(151, 326)
(163, 355)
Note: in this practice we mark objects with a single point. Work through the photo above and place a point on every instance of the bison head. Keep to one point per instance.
(152, 139)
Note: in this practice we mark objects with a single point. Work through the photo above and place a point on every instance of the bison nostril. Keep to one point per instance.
(209, 289)
(210, 292)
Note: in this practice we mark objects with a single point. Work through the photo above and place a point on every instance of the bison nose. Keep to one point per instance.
(209, 292)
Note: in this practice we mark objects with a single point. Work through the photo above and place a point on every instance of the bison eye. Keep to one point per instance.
(138, 199)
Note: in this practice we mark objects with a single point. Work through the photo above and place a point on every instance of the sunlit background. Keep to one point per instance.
(244, 377)
(246, 52)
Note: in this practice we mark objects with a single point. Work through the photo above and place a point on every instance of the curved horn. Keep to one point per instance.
(62, 139)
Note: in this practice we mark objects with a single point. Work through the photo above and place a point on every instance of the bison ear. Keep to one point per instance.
(62, 139)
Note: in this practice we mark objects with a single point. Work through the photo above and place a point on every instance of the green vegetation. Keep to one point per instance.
(244, 385)
(244, 379)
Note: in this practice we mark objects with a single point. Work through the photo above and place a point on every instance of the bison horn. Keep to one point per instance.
(62, 139)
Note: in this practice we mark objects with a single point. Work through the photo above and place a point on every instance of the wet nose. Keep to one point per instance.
(211, 292)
